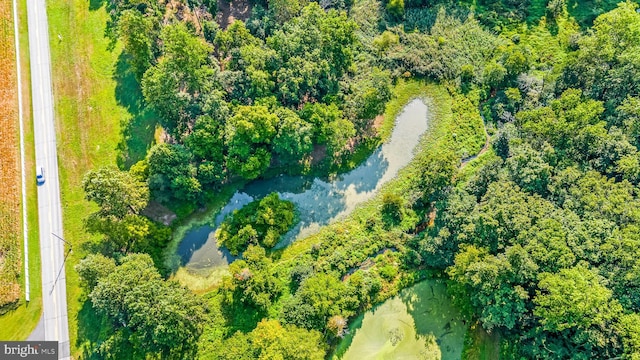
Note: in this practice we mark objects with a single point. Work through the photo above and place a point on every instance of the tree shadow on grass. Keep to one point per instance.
(138, 130)
(90, 330)
(96, 4)
(239, 316)
(95, 331)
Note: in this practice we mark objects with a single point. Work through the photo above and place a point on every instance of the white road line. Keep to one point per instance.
(25, 230)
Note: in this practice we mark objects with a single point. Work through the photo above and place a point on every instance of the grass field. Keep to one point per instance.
(95, 106)
(18, 323)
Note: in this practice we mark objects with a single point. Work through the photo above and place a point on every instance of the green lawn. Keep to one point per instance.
(95, 104)
(19, 323)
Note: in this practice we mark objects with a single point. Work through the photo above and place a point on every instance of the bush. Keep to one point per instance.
(392, 205)
(396, 8)
(388, 272)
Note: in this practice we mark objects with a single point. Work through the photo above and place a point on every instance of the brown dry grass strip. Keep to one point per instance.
(10, 224)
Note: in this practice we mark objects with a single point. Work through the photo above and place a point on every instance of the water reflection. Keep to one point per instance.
(317, 201)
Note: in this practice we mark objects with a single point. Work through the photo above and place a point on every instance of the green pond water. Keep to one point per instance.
(419, 323)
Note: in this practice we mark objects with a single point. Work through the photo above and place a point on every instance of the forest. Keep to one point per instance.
(537, 238)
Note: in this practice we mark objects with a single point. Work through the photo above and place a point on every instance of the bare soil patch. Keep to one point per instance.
(229, 11)
(159, 213)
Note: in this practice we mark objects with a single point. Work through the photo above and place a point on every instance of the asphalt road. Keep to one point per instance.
(52, 248)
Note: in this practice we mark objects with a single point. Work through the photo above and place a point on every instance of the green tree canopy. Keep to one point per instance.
(156, 317)
(261, 222)
(248, 135)
(116, 192)
(139, 35)
(177, 86)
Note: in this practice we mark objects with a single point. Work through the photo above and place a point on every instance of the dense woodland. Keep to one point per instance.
(538, 237)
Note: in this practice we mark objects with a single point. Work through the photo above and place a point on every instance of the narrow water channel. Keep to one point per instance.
(318, 202)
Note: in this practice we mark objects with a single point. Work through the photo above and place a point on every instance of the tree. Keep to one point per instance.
(489, 286)
(631, 335)
(123, 234)
(369, 95)
(320, 115)
(138, 35)
(338, 134)
(441, 53)
(206, 143)
(284, 10)
(248, 135)
(234, 37)
(529, 169)
(121, 197)
(576, 306)
(558, 124)
(253, 280)
(293, 140)
(392, 208)
(516, 61)
(494, 74)
(261, 222)
(271, 340)
(159, 317)
(238, 347)
(177, 86)
(606, 66)
(320, 297)
(621, 265)
(288, 342)
(116, 192)
(628, 117)
(93, 268)
(314, 51)
(172, 174)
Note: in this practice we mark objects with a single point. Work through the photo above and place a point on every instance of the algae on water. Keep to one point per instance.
(390, 333)
(419, 323)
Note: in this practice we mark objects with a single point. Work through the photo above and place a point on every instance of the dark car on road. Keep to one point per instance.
(40, 175)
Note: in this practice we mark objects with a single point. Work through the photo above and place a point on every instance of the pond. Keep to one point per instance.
(318, 201)
(419, 323)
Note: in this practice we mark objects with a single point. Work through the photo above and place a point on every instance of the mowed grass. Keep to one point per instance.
(20, 322)
(89, 123)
